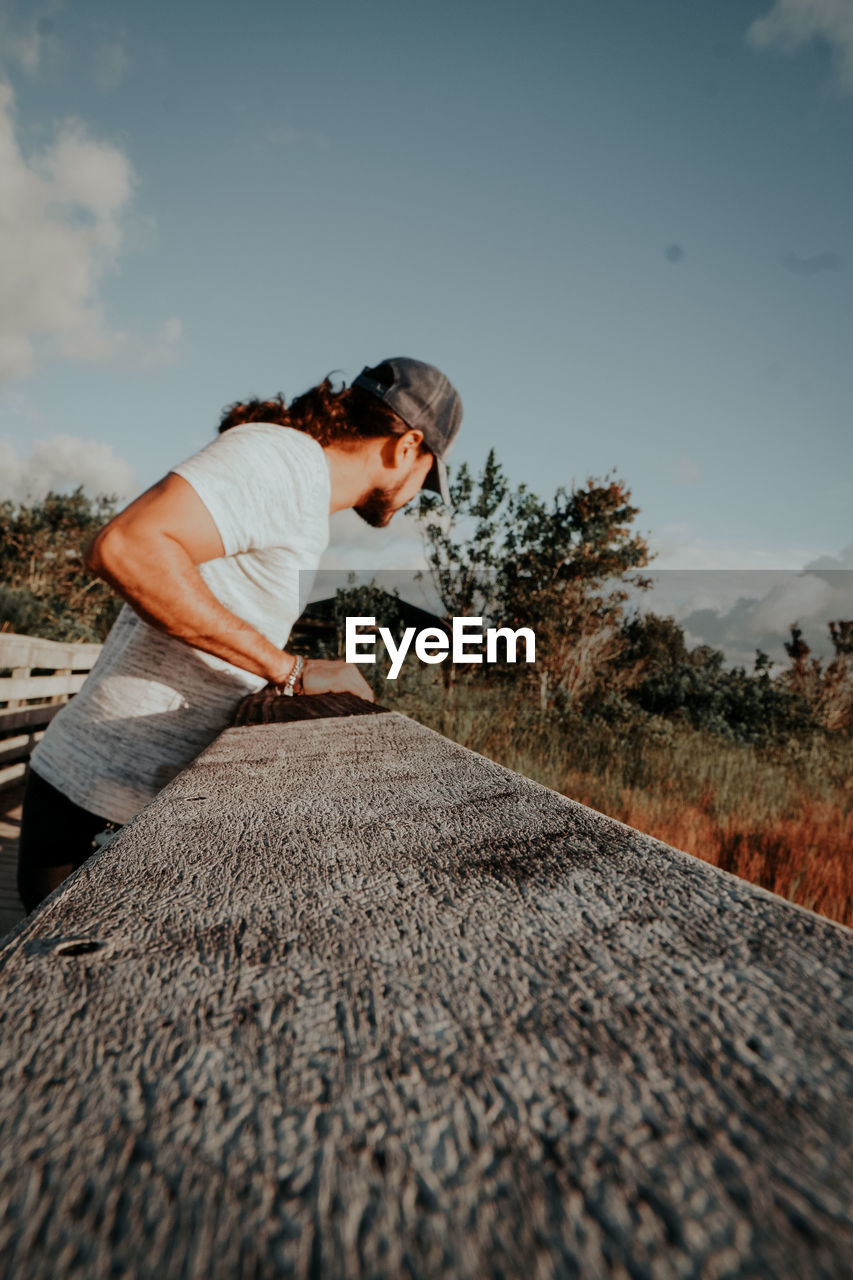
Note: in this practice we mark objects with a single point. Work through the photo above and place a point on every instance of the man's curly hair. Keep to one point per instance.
(330, 417)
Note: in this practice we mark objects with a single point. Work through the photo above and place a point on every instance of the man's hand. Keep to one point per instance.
(323, 675)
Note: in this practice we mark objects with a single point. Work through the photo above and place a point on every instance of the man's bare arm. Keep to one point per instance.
(149, 555)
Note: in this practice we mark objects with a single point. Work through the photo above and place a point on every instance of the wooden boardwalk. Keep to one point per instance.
(347, 1000)
(28, 702)
(11, 909)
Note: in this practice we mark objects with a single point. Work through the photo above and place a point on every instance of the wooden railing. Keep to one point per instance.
(346, 999)
(44, 675)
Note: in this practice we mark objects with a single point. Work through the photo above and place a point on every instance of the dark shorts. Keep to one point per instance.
(56, 836)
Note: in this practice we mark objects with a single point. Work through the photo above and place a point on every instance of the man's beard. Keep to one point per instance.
(378, 507)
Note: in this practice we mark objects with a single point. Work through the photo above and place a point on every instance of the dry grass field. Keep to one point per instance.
(778, 817)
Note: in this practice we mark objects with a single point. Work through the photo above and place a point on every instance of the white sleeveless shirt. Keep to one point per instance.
(151, 703)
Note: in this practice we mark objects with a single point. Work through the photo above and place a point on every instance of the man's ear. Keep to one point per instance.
(399, 449)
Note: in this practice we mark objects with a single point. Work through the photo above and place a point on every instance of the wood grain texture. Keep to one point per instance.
(348, 1000)
(39, 686)
(268, 706)
(31, 651)
(28, 717)
(11, 907)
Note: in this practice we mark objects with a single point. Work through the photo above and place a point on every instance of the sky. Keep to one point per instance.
(623, 230)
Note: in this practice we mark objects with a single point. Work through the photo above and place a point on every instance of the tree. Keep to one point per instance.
(695, 686)
(463, 541)
(841, 634)
(828, 690)
(565, 567)
(558, 567)
(45, 588)
(367, 600)
(837, 693)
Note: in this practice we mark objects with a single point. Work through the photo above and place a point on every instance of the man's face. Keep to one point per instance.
(380, 504)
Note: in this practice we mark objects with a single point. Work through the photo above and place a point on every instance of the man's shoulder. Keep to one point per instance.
(266, 448)
(260, 482)
(288, 437)
(295, 448)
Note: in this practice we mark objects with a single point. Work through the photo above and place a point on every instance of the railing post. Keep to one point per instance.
(60, 697)
(18, 673)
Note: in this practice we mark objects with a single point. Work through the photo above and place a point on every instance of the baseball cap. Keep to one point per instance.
(424, 398)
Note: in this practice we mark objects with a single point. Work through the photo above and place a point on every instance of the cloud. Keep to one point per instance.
(266, 132)
(61, 232)
(24, 41)
(741, 610)
(826, 261)
(792, 23)
(844, 560)
(164, 348)
(736, 598)
(19, 408)
(110, 60)
(357, 546)
(803, 598)
(63, 226)
(676, 546)
(390, 557)
(62, 463)
(287, 135)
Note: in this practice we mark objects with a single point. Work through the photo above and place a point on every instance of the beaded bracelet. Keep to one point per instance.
(296, 675)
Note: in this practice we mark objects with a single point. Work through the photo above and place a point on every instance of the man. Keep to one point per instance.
(208, 561)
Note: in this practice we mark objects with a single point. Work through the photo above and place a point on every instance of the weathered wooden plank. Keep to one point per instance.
(11, 908)
(17, 674)
(15, 687)
(19, 747)
(11, 774)
(30, 651)
(268, 706)
(26, 717)
(349, 1000)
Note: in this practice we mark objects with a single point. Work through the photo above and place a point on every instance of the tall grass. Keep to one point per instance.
(780, 817)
